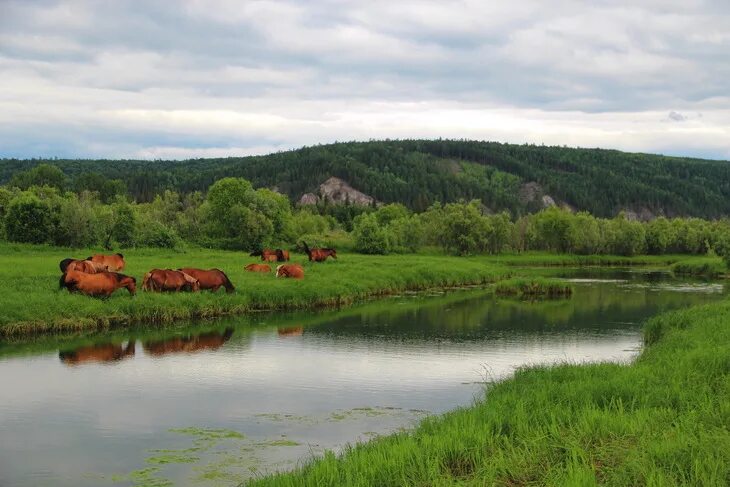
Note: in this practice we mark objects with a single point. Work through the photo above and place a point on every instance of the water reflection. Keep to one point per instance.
(212, 340)
(103, 352)
(290, 331)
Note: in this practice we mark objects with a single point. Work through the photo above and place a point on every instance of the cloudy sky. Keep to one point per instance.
(177, 79)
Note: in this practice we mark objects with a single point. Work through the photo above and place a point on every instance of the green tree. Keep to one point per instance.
(29, 219)
(41, 175)
(124, 225)
(369, 236)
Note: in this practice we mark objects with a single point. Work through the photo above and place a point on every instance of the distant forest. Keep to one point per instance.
(418, 173)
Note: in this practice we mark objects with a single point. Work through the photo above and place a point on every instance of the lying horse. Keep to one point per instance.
(205, 341)
(81, 265)
(169, 280)
(105, 352)
(272, 255)
(318, 255)
(100, 284)
(294, 271)
(112, 262)
(211, 279)
(257, 268)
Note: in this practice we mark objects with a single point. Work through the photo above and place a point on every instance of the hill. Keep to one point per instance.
(517, 178)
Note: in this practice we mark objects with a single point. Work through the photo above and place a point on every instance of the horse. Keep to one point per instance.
(258, 268)
(294, 271)
(169, 280)
(318, 255)
(211, 279)
(112, 262)
(100, 284)
(106, 352)
(205, 341)
(82, 266)
(272, 255)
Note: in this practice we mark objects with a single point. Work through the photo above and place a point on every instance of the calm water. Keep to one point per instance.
(216, 404)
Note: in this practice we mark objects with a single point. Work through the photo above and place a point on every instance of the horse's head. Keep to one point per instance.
(131, 284)
(278, 270)
(333, 253)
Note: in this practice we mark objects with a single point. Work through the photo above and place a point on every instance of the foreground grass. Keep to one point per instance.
(662, 420)
(31, 301)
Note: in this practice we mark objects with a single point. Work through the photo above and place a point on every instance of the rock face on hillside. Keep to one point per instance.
(532, 192)
(337, 191)
(642, 214)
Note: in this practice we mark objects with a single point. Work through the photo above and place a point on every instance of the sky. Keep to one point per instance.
(210, 78)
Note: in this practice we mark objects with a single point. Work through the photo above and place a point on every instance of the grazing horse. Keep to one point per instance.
(81, 265)
(169, 280)
(211, 279)
(318, 255)
(272, 255)
(258, 268)
(100, 284)
(112, 262)
(205, 341)
(294, 271)
(105, 352)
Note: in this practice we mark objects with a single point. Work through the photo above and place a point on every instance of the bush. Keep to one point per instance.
(154, 234)
(370, 237)
(29, 220)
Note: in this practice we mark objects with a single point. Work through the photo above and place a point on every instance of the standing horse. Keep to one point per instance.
(169, 280)
(101, 284)
(272, 255)
(211, 279)
(112, 262)
(318, 255)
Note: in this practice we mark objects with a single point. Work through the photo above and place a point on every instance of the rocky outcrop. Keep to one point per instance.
(337, 191)
(532, 194)
(642, 214)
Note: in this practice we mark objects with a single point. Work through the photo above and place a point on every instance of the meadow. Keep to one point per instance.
(32, 302)
(662, 420)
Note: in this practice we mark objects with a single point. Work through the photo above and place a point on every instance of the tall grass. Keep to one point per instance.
(661, 421)
(31, 301)
(705, 266)
(535, 287)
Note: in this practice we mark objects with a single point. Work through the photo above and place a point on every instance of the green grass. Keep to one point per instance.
(535, 287)
(705, 266)
(661, 421)
(544, 259)
(32, 303)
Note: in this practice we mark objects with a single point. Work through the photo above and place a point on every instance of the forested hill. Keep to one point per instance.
(419, 172)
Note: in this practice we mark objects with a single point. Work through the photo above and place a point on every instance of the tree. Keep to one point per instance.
(370, 237)
(124, 226)
(29, 219)
(41, 175)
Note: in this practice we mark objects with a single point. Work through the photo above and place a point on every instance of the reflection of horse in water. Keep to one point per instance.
(205, 341)
(290, 331)
(105, 352)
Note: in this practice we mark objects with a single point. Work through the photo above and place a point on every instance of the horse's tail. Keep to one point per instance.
(306, 247)
(62, 282)
(64, 264)
(146, 281)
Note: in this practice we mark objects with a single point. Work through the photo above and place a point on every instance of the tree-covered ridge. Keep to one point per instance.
(418, 173)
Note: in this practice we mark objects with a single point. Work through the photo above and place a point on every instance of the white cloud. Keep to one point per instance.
(226, 78)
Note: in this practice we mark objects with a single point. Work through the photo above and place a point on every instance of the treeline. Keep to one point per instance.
(234, 215)
(464, 228)
(418, 173)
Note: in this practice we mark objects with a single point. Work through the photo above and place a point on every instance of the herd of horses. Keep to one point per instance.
(99, 275)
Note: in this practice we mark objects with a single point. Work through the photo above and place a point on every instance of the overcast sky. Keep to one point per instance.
(178, 79)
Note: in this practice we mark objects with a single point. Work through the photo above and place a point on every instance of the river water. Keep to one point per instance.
(216, 404)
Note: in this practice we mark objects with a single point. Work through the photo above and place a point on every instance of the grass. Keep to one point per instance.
(704, 266)
(662, 421)
(32, 303)
(533, 288)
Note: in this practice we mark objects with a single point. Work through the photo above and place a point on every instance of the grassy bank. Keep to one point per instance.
(662, 420)
(31, 301)
(533, 288)
(700, 266)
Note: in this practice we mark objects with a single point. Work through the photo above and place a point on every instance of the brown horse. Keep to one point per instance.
(272, 255)
(112, 262)
(81, 265)
(290, 331)
(169, 280)
(105, 352)
(101, 284)
(211, 279)
(294, 271)
(257, 268)
(318, 255)
(205, 341)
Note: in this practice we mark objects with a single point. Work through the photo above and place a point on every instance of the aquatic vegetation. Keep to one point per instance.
(659, 421)
(534, 288)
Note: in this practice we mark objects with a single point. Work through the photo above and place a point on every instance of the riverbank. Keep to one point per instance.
(32, 303)
(661, 420)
